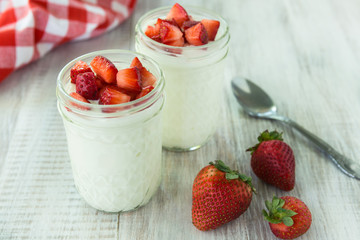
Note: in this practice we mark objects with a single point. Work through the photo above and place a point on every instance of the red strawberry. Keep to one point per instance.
(272, 160)
(170, 21)
(177, 43)
(100, 83)
(189, 24)
(136, 63)
(211, 26)
(178, 13)
(144, 91)
(129, 79)
(104, 69)
(109, 95)
(80, 67)
(171, 34)
(86, 85)
(80, 98)
(153, 33)
(196, 35)
(288, 217)
(147, 78)
(220, 195)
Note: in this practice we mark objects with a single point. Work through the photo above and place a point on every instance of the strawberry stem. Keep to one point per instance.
(232, 174)
(276, 213)
(266, 136)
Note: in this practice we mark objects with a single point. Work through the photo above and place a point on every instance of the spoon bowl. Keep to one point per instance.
(244, 90)
(257, 103)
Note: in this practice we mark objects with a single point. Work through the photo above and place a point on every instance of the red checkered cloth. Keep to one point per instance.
(31, 28)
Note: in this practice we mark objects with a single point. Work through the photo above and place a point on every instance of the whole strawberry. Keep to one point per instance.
(220, 195)
(288, 217)
(273, 161)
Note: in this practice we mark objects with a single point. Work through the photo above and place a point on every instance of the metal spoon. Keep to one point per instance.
(257, 103)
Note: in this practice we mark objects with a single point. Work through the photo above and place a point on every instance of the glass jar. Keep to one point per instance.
(115, 150)
(194, 77)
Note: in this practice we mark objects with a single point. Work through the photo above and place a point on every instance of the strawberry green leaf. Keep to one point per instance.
(288, 221)
(232, 174)
(275, 203)
(266, 136)
(268, 205)
(266, 215)
(221, 166)
(281, 203)
(276, 213)
(289, 213)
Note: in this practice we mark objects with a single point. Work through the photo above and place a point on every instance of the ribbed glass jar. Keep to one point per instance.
(193, 76)
(115, 150)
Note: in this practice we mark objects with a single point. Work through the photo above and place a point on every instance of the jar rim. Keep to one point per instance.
(191, 47)
(115, 109)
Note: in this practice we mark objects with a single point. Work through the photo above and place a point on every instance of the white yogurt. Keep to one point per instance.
(193, 77)
(115, 157)
(116, 164)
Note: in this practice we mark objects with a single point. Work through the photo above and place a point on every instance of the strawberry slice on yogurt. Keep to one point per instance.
(179, 29)
(197, 35)
(129, 79)
(86, 86)
(171, 34)
(178, 14)
(147, 78)
(212, 27)
(111, 96)
(96, 85)
(80, 67)
(104, 69)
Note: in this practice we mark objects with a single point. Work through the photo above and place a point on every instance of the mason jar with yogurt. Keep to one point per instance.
(193, 76)
(115, 150)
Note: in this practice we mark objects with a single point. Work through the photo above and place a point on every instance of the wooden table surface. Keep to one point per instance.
(306, 54)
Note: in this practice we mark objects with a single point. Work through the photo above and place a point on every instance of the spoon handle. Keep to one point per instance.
(347, 165)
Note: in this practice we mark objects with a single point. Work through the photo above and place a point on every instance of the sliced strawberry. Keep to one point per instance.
(177, 43)
(79, 67)
(101, 91)
(189, 24)
(104, 69)
(81, 99)
(131, 94)
(100, 83)
(170, 21)
(144, 91)
(86, 85)
(171, 34)
(196, 35)
(158, 25)
(212, 27)
(178, 13)
(153, 33)
(136, 63)
(109, 96)
(129, 79)
(147, 78)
